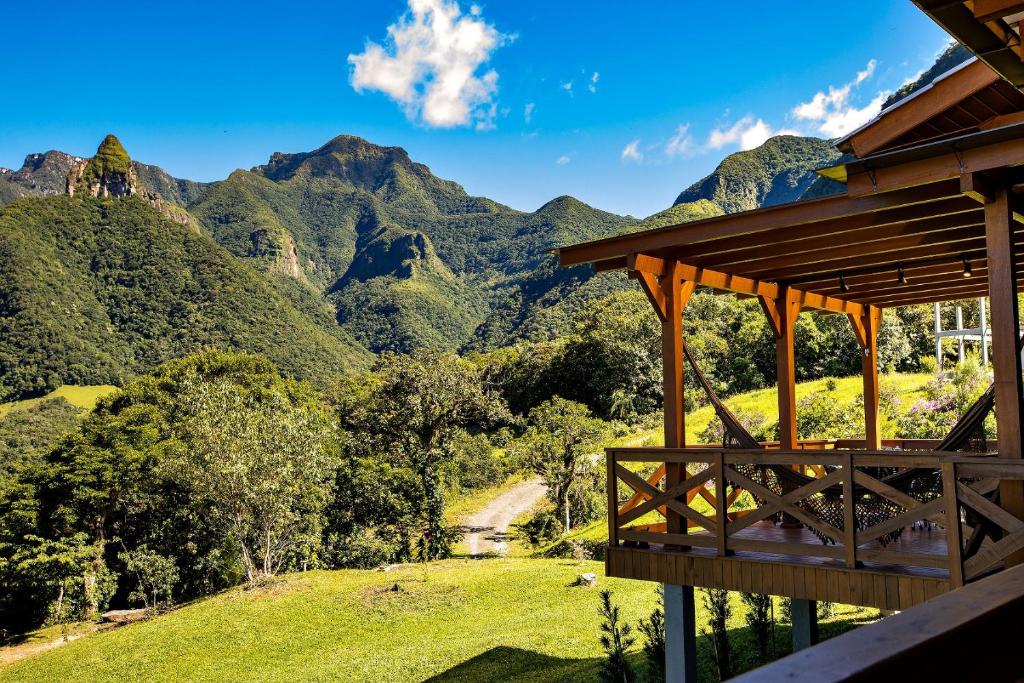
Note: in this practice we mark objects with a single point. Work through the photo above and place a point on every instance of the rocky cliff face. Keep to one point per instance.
(108, 174)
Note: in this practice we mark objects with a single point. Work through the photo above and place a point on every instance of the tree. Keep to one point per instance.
(558, 445)
(412, 408)
(716, 602)
(262, 465)
(653, 628)
(155, 576)
(615, 639)
(759, 619)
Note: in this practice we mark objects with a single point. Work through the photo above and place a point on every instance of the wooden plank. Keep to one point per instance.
(1006, 361)
(943, 94)
(696, 540)
(901, 521)
(990, 555)
(987, 10)
(722, 507)
(783, 548)
(653, 502)
(987, 508)
(785, 506)
(612, 484)
(839, 207)
(849, 510)
(650, 286)
(895, 557)
(785, 368)
(936, 168)
(768, 510)
(890, 493)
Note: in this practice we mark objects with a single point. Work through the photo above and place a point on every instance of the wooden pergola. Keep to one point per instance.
(931, 212)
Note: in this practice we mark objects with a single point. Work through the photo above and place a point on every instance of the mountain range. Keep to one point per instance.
(317, 259)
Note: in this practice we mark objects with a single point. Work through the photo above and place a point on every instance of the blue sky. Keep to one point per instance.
(619, 104)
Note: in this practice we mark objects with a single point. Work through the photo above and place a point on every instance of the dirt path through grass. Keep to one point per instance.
(487, 528)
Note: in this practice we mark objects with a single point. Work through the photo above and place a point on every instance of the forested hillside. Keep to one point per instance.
(95, 291)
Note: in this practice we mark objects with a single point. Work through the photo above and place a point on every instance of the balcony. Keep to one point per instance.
(822, 540)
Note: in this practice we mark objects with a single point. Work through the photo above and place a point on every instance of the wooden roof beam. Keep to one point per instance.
(943, 94)
(935, 169)
(864, 241)
(902, 216)
(753, 222)
(950, 245)
(888, 272)
(704, 277)
(987, 10)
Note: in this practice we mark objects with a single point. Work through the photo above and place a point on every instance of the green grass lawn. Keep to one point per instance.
(84, 397)
(908, 386)
(458, 620)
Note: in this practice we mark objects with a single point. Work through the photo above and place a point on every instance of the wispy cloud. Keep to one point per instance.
(563, 160)
(528, 112)
(567, 87)
(748, 133)
(631, 152)
(681, 144)
(592, 86)
(834, 113)
(431, 62)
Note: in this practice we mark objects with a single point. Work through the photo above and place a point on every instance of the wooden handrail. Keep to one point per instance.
(971, 634)
(966, 482)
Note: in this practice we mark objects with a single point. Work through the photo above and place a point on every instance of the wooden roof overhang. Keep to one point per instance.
(991, 29)
(918, 211)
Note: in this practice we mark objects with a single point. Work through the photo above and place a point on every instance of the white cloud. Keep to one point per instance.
(682, 143)
(631, 152)
(567, 87)
(748, 133)
(528, 112)
(592, 86)
(833, 113)
(563, 160)
(430, 65)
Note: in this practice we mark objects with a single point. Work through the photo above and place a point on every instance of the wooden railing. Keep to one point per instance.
(965, 635)
(979, 533)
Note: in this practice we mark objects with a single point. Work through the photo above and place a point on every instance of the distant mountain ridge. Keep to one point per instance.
(780, 170)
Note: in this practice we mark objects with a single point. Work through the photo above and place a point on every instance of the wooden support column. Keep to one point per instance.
(865, 328)
(782, 314)
(680, 612)
(1006, 362)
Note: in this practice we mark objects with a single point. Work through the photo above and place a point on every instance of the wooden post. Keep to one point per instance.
(1002, 267)
(613, 500)
(785, 367)
(865, 329)
(954, 532)
(680, 612)
(721, 505)
(849, 512)
(676, 294)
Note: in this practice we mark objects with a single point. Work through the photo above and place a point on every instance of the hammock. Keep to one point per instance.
(967, 434)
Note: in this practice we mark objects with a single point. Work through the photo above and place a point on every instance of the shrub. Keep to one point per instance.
(759, 619)
(155, 577)
(616, 638)
(653, 628)
(542, 527)
(716, 602)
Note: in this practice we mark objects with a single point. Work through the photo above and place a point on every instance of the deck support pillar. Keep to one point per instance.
(865, 328)
(680, 635)
(782, 314)
(1006, 363)
(680, 616)
(805, 623)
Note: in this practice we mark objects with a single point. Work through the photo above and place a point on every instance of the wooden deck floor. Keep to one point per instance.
(886, 580)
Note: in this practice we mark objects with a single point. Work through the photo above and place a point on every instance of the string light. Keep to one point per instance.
(967, 268)
(901, 277)
(843, 287)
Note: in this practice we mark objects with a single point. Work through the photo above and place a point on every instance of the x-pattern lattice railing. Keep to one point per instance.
(854, 506)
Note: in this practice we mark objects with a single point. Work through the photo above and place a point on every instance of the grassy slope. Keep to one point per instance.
(459, 620)
(84, 397)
